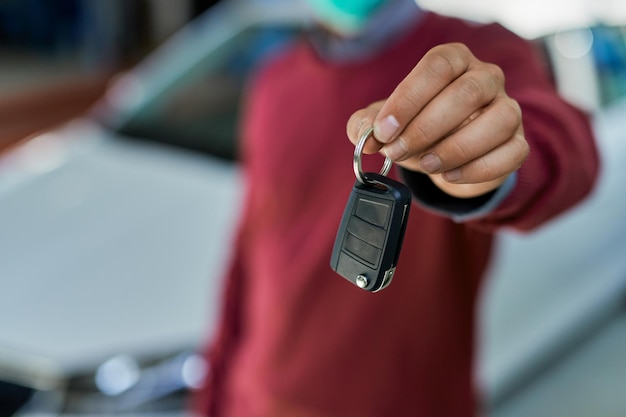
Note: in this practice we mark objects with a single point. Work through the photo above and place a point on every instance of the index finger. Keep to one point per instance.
(438, 68)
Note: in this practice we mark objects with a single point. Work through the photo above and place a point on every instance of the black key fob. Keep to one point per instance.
(371, 232)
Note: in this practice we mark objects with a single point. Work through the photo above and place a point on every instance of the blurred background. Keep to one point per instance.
(119, 190)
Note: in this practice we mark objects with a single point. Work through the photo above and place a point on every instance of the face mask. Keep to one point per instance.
(345, 16)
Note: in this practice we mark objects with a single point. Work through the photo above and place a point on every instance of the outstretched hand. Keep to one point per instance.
(449, 118)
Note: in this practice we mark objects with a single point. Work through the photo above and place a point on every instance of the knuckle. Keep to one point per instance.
(494, 79)
(463, 151)
(471, 91)
(456, 49)
(440, 66)
(479, 87)
(446, 61)
(510, 113)
(521, 150)
(493, 72)
(409, 100)
(420, 135)
(484, 170)
(496, 73)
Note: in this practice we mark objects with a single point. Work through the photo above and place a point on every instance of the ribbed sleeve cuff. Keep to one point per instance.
(460, 210)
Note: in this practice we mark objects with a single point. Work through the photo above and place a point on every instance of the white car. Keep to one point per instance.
(115, 229)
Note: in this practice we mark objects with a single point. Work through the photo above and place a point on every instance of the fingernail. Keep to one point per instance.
(430, 163)
(452, 175)
(396, 150)
(386, 128)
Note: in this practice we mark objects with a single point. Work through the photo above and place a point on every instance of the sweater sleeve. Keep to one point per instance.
(561, 168)
(563, 162)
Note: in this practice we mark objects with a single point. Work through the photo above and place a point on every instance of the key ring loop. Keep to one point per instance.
(356, 162)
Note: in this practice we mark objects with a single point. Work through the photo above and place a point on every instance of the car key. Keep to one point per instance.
(372, 228)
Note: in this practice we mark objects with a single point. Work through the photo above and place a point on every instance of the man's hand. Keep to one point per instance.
(450, 118)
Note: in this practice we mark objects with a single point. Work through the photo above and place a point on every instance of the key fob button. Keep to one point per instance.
(373, 235)
(361, 249)
(373, 212)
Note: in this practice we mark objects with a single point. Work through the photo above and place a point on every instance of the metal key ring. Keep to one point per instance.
(358, 169)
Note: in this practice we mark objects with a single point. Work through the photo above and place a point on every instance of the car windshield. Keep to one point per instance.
(200, 113)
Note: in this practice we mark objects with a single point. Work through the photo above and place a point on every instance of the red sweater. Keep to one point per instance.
(297, 340)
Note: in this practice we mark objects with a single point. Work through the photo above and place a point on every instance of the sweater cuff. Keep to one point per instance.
(460, 210)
